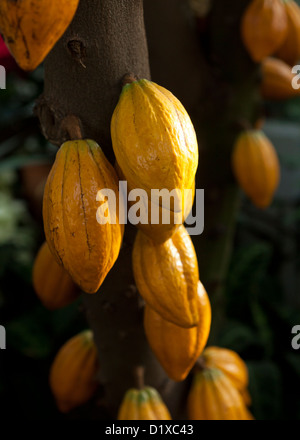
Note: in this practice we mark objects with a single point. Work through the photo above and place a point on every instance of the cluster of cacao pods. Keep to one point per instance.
(32, 27)
(272, 28)
(80, 251)
(270, 31)
(155, 144)
(219, 388)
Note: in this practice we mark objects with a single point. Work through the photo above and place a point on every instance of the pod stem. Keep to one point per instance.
(129, 78)
(139, 374)
(72, 125)
(200, 364)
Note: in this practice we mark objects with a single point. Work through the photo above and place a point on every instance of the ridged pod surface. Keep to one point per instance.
(277, 80)
(214, 397)
(264, 28)
(52, 283)
(167, 276)
(256, 167)
(144, 404)
(156, 219)
(86, 248)
(177, 348)
(230, 363)
(290, 49)
(155, 146)
(32, 27)
(73, 372)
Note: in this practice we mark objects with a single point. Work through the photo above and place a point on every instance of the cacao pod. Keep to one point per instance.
(166, 220)
(155, 147)
(86, 248)
(264, 28)
(73, 371)
(177, 348)
(277, 80)
(52, 284)
(167, 276)
(214, 397)
(256, 167)
(290, 49)
(144, 404)
(32, 27)
(230, 363)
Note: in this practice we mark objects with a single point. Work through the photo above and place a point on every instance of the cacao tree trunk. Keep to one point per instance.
(83, 76)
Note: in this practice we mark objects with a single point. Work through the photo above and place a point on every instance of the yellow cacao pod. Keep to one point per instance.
(256, 167)
(230, 363)
(177, 348)
(290, 49)
(144, 404)
(167, 276)
(264, 28)
(277, 80)
(72, 374)
(52, 283)
(86, 248)
(32, 27)
(214, 397)
(155, 147)
(158, 221)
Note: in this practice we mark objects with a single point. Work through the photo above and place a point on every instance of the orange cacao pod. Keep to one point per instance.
(256, 167)
(277, 80)
(86, 248)
(167, 276)
(72, 374)
(177, 348)
(32, 27)
(144, 404)
(214, 397)
(167, 220)
(52, 284)
(156, 148)
(264, 28)
(230, 363)
(290, 49)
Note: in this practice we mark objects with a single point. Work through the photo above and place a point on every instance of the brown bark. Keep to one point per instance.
(83, 72)
(83, 76)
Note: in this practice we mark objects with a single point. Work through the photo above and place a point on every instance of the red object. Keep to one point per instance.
(6, 59)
